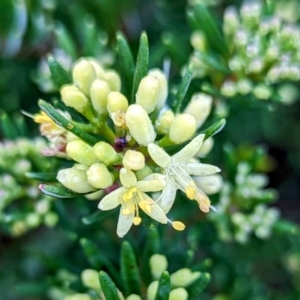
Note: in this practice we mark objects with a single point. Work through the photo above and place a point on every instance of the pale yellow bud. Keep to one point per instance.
(178, 294)
(95, 196)
(164, 122)
(98, 68)
(90, 278)
(72, 97)
(119, 119)
(105, 153)
(183, 277)
(163, 86)
(152, 290)
(83, 76)
(209, 184)
(71, 137)
(198, 41)
(139, 125)
(183, 128)
(143, 173)
(158, 264)
(51, 219)
(116, 102)
(134, 297)
(113, 79)
(205, 148)
(81, 152)
(199, 107)
(75, 179)
(148, 93)
(78, 296)
(133, 160)
(99, 93)
(99, 177)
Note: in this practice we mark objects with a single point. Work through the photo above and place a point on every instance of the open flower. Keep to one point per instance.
(131, 196)
(178, 169)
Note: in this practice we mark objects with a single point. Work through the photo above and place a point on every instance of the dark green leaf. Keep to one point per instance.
(45, 177)
(129, 270)
(7, 126)
(57, 191)
(108, 287)
(198, 286)
(142, 62)
(163, 290)
(212, 61)
(92, 252)
(286, 227)
(59, 74)
(97, 217)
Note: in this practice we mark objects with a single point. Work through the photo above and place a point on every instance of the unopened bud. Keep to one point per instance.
(33, 219)
(164, 122)
(113, 79)
(209, 184)
(199, 107)
(198, 41)
(183, 128)
(134, 297)
(81, 152)
(179, 294)
(116, 102)
(143, 173)
(90, 278)
(183, 277)
(98, 68)
(228, 89)
(262, 91)
(244, 86)
(99, 93)
(133, 160)
(163, 86)
(148, 93)
(75, 179)
(205, 148)
(78, 296)
(72, 97)
(83, 76)
(51, 219)
(139, 125)
(158, 264)
(105, 153)
(99, 177)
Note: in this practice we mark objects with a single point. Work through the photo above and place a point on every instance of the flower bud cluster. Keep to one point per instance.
(264, 53)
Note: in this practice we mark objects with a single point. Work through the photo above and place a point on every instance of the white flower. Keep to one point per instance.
(178, 169)
(131, 196)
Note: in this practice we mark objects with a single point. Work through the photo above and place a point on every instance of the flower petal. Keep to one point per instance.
(124, 223)
(186, 153)
(198, 169)
(150, 185)
(160, 157)
(111, 201)
(168, 196)
(127, 178)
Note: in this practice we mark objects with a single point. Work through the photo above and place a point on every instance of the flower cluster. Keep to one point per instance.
(130, 158)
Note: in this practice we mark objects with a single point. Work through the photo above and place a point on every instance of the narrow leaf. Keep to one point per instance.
(45, 177)
(212, 61)
(97, 217)
(7, 126)
(198, 286)
(57, 191)
(108, 287)
(163, 290)
(214, 129)
(92, 252)
(65, 123)
(286, 227)
(182, 89)
(126, 64)
(129, 270)
(59, 74)
(142, 62)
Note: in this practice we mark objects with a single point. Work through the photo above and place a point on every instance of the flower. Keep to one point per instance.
(178, 169)
(131, 196)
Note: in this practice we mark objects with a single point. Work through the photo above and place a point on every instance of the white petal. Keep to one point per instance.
(186, 153)
(124, 223)
(168, 196)
(198, 169)
(127, 177)
(160, 157)
(156, 212)
(155, 176)
(150, 185)
(111, 201)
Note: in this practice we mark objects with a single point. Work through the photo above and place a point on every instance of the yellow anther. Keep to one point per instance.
(177, 225)
(190, 191)
(204, 205)
(126, 211)
(137, 221)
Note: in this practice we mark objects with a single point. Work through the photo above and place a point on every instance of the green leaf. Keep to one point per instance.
(65, 123)
(59, 74)
(214, 129)
(108, 287)
(182, 89)
(142, 62)
(92, 252)
(163, 290)
(97, 217)
(129, 270)
(198, 286)
(126, 64)
(286, 227)
(207, 24)
(45, 177)
(212, 61)
(7, 126)
(57, 191)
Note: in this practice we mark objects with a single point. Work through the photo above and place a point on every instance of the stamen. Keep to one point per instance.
(177, 225)
(137, 221)
(190, 191)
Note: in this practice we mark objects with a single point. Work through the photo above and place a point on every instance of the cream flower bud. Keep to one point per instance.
(143, 173)
(164, 122)
(116, 102)
(178, 294)
(99, 177)
(139, 125)
(75, 179)
(158, 264)
(209, 184)
(72, 97)
(163, 86)
(81, 152)
(183, 277)
(152, 290)
(90, 278)
(199, 107)
(78, 296)
(206, 147)
(134, 297)
(113, 79)
(148, 93)
(83, 76)
(198, 41)
(182, 128)
(105, 153)
(99, 93)
(133, 160)
(98, 68)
